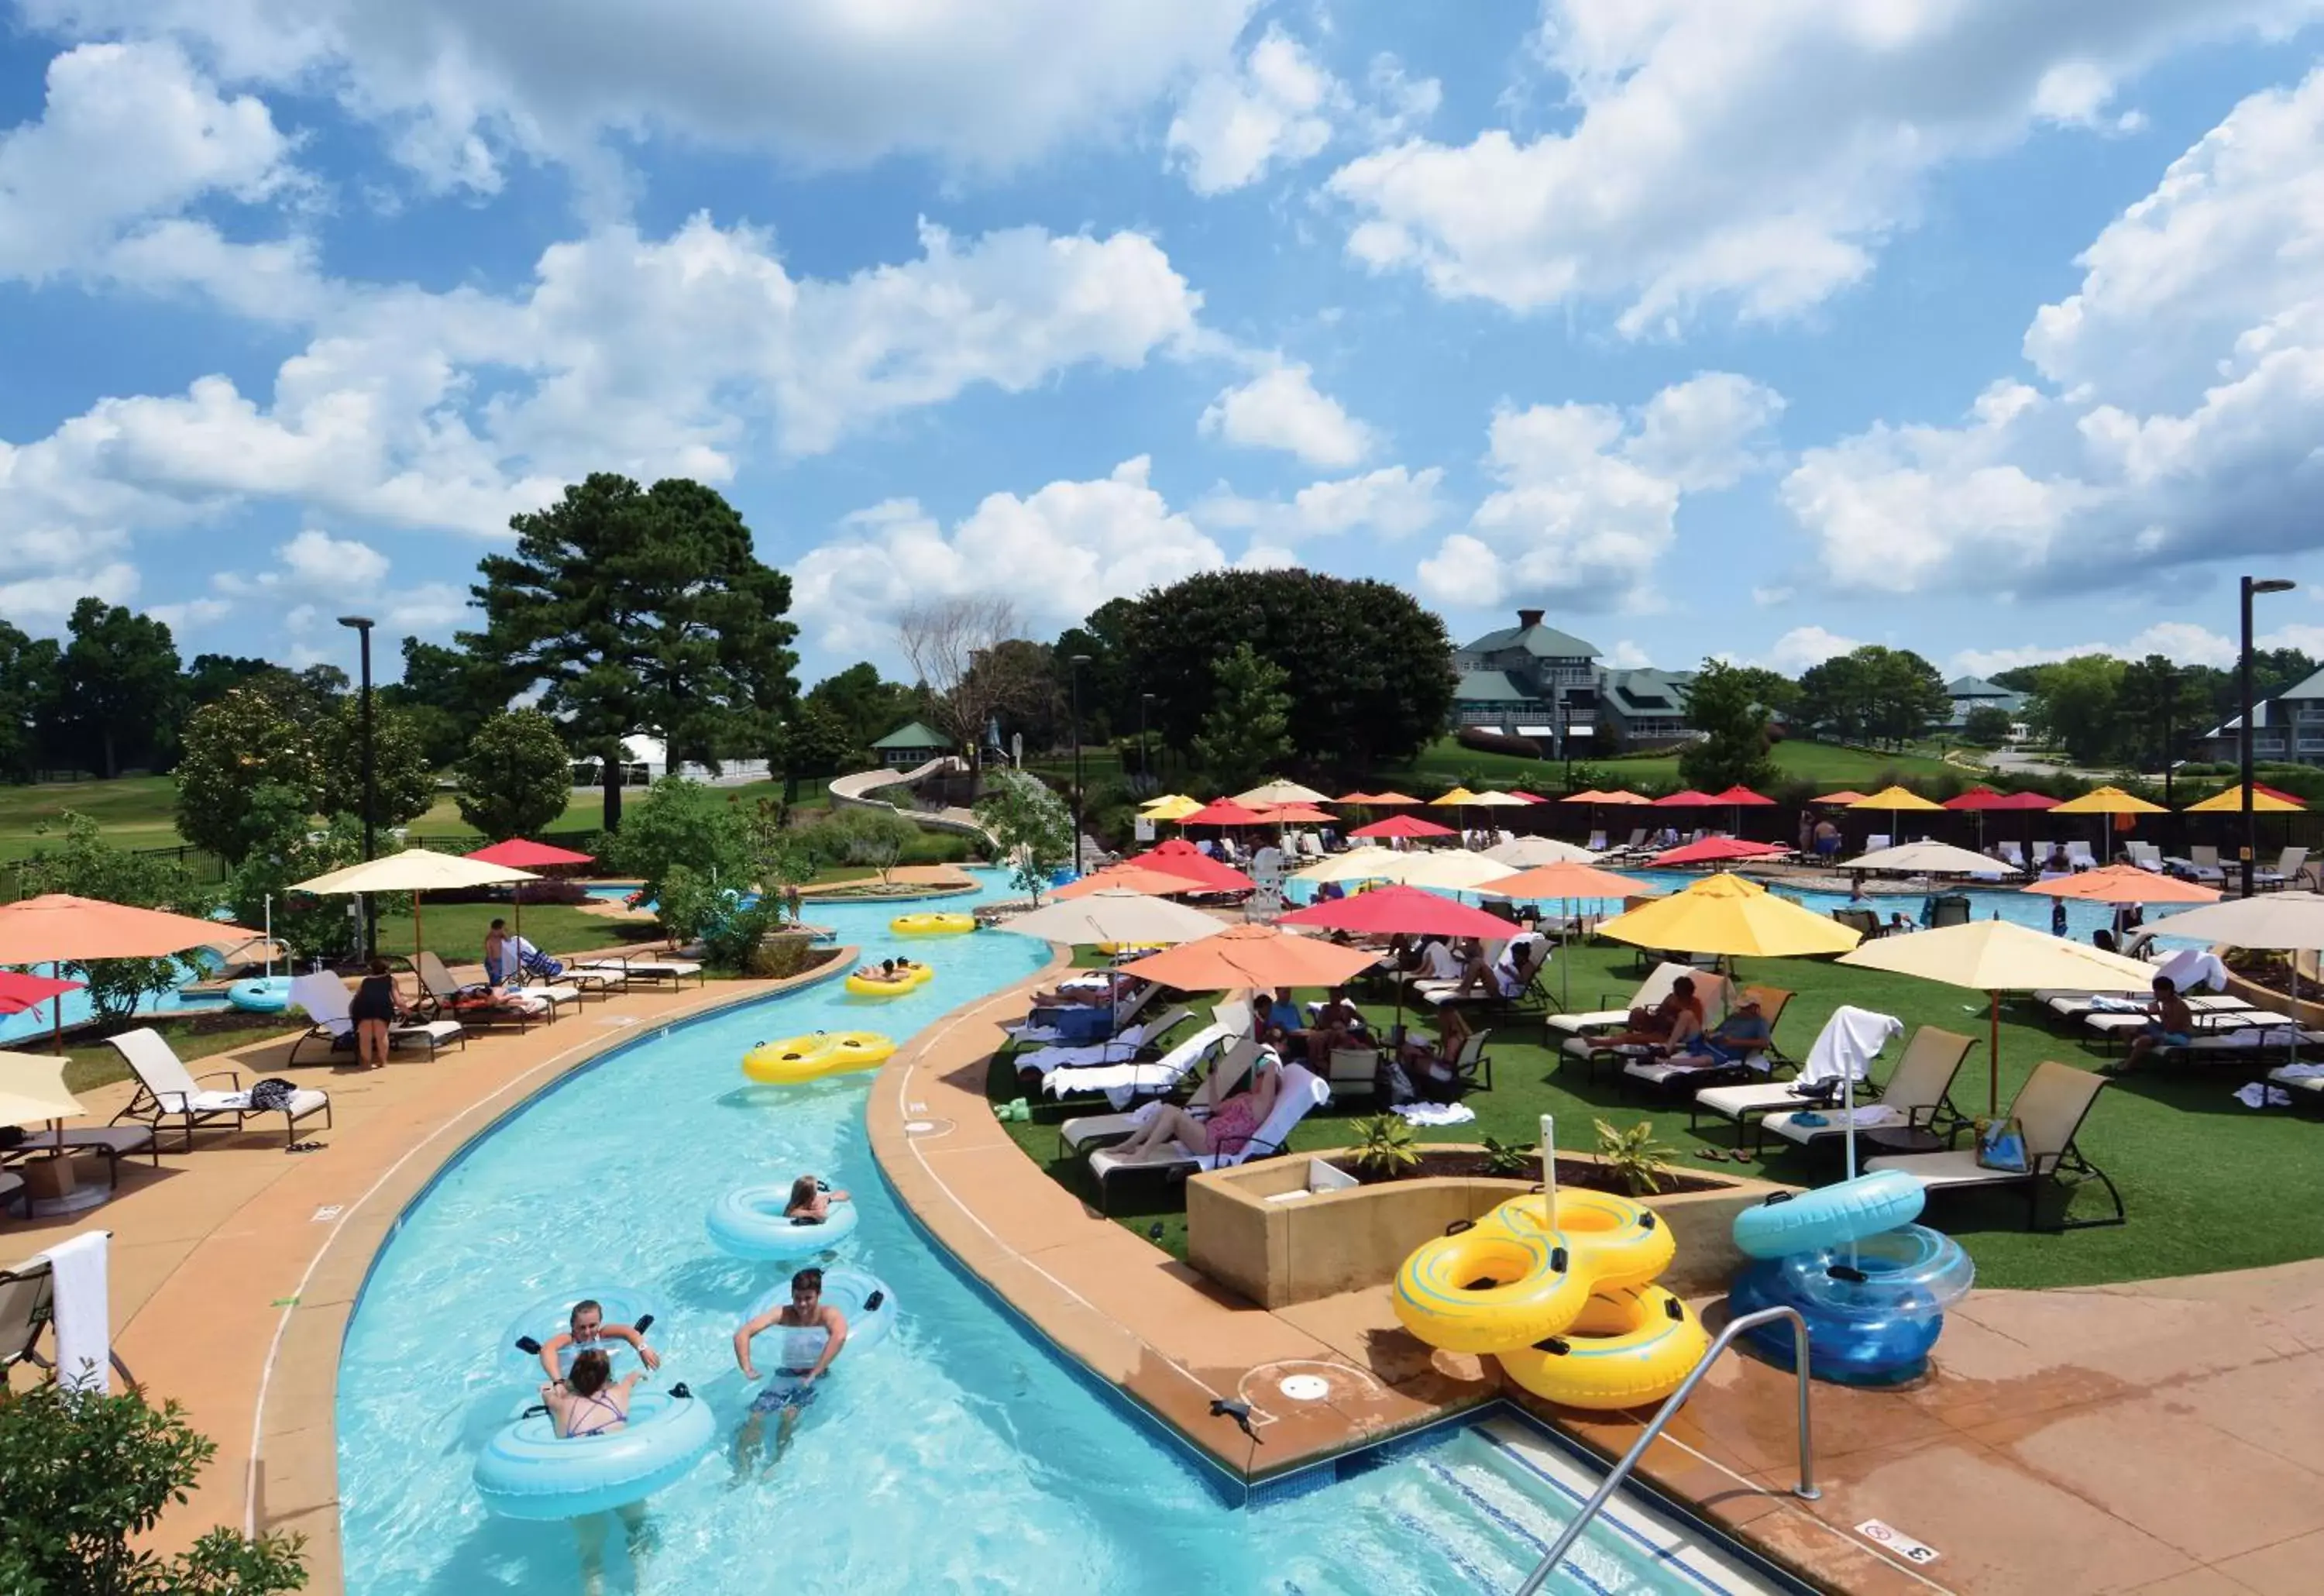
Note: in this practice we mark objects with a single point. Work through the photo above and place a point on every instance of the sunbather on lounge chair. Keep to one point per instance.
(1670, 1025)
(1232, 1123)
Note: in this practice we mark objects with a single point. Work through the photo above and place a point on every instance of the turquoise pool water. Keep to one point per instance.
(36, 1021)
(961, 1454)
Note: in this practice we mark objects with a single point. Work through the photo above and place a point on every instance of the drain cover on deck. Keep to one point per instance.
(1305, 1387)
(926, 1126)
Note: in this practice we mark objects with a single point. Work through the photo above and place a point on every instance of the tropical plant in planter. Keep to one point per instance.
(1507, 1159)
(1384, 1147)
(1633, 1156)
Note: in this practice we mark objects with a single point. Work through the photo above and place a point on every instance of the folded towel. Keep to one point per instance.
(1435, 1113)
(84, 1325)
(2259, 1094)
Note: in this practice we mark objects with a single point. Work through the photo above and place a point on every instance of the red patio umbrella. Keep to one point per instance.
(1224, 812)
(1976, 797)
(1714, 850)
(1384, 910)
(1688, 798)
(19, 990)
(1179, 857)
(1739, 794)
(523, 853)
(1403, 825)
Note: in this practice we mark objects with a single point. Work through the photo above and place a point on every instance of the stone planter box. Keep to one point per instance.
(1284, 1231)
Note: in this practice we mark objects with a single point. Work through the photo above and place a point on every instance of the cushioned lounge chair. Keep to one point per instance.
(2050, 1108)
(1919, 1090)
(113, 1142)
(444, 998)
(329, 1003)
(1299, 1091)
(1667, 1074)
(12, 1190)
(1144, 1039)
(1717, 993)
(1130, 1079)
(674, 972)
(170, 1094)
(28, 1307)
(1651, 991)
(1087, 1132)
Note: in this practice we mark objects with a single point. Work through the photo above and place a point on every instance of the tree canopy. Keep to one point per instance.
(864, 705)
(1248, 731)
(1728, 704)
(640, 610)
(684, 824)
(2074, 706)
(118, 687)
(1370, 671)
(1874, 695)
(516, 777)
(28, 668)
(449, 694)
(1030, 824)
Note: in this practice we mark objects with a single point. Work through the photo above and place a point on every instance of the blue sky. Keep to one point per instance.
(1754, 327)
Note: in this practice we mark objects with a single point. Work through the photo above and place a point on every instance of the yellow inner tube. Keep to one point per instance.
(867, 986)
(795, 1059)
(1513, 1278)
(1626, 1348)
(931, 924)
(1615, 1241)
(1113, 948)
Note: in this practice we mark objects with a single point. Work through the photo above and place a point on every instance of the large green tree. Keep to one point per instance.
(517, 777)
(403, 778)
(811, 741)
(2161, 703)
(682, 825)
(287, 847)
(118, 696)
(449, 693)
(1874, 695)
(1370, 671)
(640, 610)
(1248, 731)
(28, 668)
(1727, 704)
(246, 741)
(864, 704)
(2076, 705)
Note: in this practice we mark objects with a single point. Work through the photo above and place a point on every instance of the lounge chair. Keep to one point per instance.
(1952, 909)
(12, 1190)
(443, 997)
(1876, 842)
(1086, 1131)
(1866, 922)
(2078, 855)
(1664, 1075)
(1123, 1048)
(1299, 1091)
(1039, 1025)
(2203, 863)
(2145, 855)
(2305, 1087)
(27, 1307)
(1596, 843)
(326, 1000)
(1718, 994)
(1651, 991)
(2288, 866)
(168, 1093)
(2050, 1108)
(1127, 1081)
(675, 972)
(2013, 854)
(1919, 1091)
(2274, 1035)
(1523, 981)
(113, 1142)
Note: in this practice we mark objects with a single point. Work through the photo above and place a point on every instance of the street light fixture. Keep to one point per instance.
(361, 625)
(1079, 661)
(2250, 838)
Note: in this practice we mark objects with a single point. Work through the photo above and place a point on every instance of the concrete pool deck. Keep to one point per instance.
(2160, 1436)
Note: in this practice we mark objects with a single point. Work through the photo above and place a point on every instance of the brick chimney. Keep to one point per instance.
(1529, 619)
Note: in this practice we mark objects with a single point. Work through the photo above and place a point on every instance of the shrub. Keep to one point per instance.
(785, 957)
(682, 823)
(1502, 1158)
(516, 777)
(731, 941)
(1633, 1156)
(1384, 1146)
(685, 904)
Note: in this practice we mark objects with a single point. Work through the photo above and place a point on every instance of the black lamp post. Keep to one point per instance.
(1079, 661)
(361, 625)
(2250, 835)
(1565, 739)
(1145, 755)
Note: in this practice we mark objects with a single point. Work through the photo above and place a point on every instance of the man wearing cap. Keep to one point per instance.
(1742, 1035)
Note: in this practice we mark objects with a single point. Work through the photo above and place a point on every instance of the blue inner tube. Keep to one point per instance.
(261, 994)
(748, 1223)
(1874, 1309)
(848, 1290)
(1829, 1216)
(553, 1316)
(526, 1471)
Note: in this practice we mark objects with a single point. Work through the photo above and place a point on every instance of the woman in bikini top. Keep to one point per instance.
(590, 1402)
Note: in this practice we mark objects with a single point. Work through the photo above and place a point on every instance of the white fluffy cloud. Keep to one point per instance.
(1059, 551)
(1752, 152)
(653, 357)
(459, 88)
(2181, 641)
(2184, 393)
(315, 571)
(1282, 409)
(1273, 108)
(1589, 497)
(130, 136)
(1394, 501)
(40, 598)
(1805, 646)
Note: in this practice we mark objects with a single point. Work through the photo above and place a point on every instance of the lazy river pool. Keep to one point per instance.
(960, 1454)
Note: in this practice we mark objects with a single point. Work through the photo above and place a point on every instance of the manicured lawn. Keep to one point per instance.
(1825, 764)
(2210, 1184)
(136, 812)
(455, 931)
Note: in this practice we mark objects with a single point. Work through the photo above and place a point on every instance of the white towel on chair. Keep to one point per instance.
(1851, 1038)
(1436, 1113)
(2192, 967)
(2260, 1094)
(83, 1318)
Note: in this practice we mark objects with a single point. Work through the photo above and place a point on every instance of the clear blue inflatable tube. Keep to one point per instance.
(553, 1316)
(1829, 1216)
(848, 1290)
(1874, 1307)
(749, 1223)
(528, 1472)
(261, 994)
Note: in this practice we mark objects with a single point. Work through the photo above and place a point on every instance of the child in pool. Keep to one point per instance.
(792, 1389)
(586, 1328)
(811, 1200)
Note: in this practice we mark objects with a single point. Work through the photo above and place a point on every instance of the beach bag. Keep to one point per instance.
(2001, 1144)
(272, 1095)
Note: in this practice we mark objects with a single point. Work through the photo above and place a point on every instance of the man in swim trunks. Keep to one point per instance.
(792, 1389)
(586, 1328)
(2173, 1026)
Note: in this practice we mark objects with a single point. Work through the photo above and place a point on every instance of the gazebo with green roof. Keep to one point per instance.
(910, 745)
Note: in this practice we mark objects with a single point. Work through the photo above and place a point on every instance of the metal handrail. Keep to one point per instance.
(1805, 1490)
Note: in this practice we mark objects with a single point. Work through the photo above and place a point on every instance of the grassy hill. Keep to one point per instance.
(1825, 764)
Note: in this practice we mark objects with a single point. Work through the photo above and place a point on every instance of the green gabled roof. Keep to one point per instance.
(1543, 642)
(913, 735)
(2313, 687)
(1647, 692)
(1489, 686)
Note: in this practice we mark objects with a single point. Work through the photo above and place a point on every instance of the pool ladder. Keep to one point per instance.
(1805, 1489)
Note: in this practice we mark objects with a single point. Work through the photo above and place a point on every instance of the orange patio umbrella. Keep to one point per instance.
(1588, 795)
(1129, 876)
(2124, 884)
(1391, 796)
(1301, 815)
(1559, 881)
(58, 928)
(1623, 795)
(1845, 795)
(1253, 956)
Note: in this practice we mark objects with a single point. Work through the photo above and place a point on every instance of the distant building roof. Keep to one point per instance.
(1543, 642)
(1489, 686)
(1645, 692)
(2313, 687)
(913, 735)
(1977, 687)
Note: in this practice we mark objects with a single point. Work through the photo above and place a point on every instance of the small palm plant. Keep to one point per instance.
(1384, 1147)
(1634, 1156)
(1502, 1158)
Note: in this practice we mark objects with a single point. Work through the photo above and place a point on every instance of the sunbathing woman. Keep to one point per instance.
(1673, 1023)
(1231, 1124)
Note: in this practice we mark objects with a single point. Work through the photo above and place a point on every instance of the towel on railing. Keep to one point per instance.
(76, 1269)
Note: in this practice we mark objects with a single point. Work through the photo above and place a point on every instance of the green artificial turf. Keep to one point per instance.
(2209, 1185)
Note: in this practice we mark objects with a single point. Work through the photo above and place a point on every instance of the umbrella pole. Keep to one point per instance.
(1549, 1171)
(57, 1022)
(1993, 1060)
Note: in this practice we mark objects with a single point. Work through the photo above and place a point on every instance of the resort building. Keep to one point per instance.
(2288, 727)
(1974, 692)
(1533, 680)
(911, 745)
(1644, 708)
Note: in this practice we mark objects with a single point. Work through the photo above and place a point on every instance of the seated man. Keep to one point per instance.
(1671, 1024)
(1277, 1019)
(2173, 1026)
(1740, 1038)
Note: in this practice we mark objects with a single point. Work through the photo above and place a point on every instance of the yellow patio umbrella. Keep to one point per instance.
(1729, 916)
(414, 870)
(1455, 798)
(2265, 801)
(1175, 806)
(2108, 801)
(1895, 799)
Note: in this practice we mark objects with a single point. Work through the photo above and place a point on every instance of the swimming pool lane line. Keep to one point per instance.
(331, 1236)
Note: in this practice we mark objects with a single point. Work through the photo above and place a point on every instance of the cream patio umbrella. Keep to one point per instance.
(1454, 869)
(414, 870)
(1996, 956)
(1115, 915)
(1926, 859)
(1527, 853)
(32, 1090)
(1272, 794)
